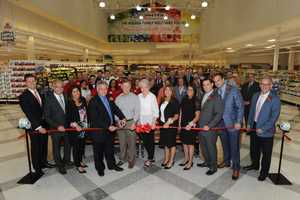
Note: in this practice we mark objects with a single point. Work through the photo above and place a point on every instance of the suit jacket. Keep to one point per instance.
(248, 92)
(179, 96)
(171, 109)
(54, 114)
(32, 109)
(268, 114)
(99, 117)
(211, 111)
(233, 106)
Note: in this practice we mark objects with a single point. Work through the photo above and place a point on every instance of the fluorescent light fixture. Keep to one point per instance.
(272, 40)
(112, 17)
(102, 4)
(269, 47)
(193, 16)
(229, 48)
(249, 45)
(204, 4)
(138, 8)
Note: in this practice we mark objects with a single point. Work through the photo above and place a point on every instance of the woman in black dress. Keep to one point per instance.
(189, 117)
(169, 114)
(77, 118)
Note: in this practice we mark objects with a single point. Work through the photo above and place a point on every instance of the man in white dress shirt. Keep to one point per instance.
(149, 113)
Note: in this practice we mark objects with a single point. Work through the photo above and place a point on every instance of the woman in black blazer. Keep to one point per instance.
(77, 118)
(169, 113)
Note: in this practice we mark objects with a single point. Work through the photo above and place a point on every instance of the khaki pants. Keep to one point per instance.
(127, 140)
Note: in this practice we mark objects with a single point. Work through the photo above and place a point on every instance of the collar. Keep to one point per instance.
(209, 93)
(33, 91)
(265, 95)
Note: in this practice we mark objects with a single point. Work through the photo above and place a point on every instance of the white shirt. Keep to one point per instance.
(61, 100)
(162, 111)
(261, 99)
(149, 108)
(206, 95)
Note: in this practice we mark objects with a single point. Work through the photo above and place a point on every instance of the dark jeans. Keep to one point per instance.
(78, 145)
(148, 141)
(258, 146)
(39, 150)
(56, 142)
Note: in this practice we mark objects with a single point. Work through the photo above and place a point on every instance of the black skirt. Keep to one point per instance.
(168, 137)
(188, 137)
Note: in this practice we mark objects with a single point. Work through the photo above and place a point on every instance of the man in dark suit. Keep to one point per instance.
(211, 114)
(264, 113)
(31, 103)
(101, 113)
(55, 115)
(248, 90)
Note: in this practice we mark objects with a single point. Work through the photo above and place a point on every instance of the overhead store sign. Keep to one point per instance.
(157, 25)
(8, 35)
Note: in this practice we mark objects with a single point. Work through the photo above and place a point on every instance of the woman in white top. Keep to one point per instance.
(148, 115)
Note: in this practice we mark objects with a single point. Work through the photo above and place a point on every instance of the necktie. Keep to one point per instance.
(61, 102)
(107, 107)
(220, 91)
(37, 97)
(258, 108)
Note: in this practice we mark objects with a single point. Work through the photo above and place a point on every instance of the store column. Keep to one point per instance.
(86, 55)
(276, 58)
(30, 48)
(291, 59)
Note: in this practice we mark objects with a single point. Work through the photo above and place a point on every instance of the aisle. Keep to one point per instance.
(137, 183)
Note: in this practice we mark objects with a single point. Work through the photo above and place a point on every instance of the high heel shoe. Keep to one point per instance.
(164, 164)
(188, 168)
(169, 167)
(183, 164)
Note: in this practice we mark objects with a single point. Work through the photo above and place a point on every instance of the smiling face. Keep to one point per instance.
(266, 85)
(190, 92)
(207, 86)
(75, 94)
(219, 81)
(31, 83)
(102, 89)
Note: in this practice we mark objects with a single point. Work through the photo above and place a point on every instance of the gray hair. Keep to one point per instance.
(269, 78)
(102, 83)
(144, 82)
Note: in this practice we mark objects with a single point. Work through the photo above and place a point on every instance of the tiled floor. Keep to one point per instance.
(139, 183)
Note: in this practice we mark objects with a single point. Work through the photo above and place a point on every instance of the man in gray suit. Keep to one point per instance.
(211, 114)
(55, 115)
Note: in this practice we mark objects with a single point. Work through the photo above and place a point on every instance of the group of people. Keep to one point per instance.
(120, 104)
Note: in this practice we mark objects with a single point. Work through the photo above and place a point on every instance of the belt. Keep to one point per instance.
(129, 120)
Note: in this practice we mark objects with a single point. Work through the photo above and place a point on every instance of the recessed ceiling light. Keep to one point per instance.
(31, 38)
(141, 17)
(167, 7)
(269, 47)
(186, 24)
(229, 48)
(165, 17)
(272, 40)
(102, 4)
(149, 9)
(298, 41)
(249, 45)
(204, 4)
(138, 8)
(112, 17)
(193, 16)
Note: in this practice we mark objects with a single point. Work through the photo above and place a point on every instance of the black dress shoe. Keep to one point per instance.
(40, 172)
(101, 173)
(250, 167)
(188, 168)
(202, 164)
(120, 163)
(183, 164)
(69, 163)
(48, 165)
(211, 172)
(261, 178)
(116, 168)
(62, 170)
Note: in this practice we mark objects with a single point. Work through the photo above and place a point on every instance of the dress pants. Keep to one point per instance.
(148, 142)
(104, 148)
(56, 140)
(260, 145)
(127, 140)
(39, 150)
(246, 113)
(208, 142)
(230, 139)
